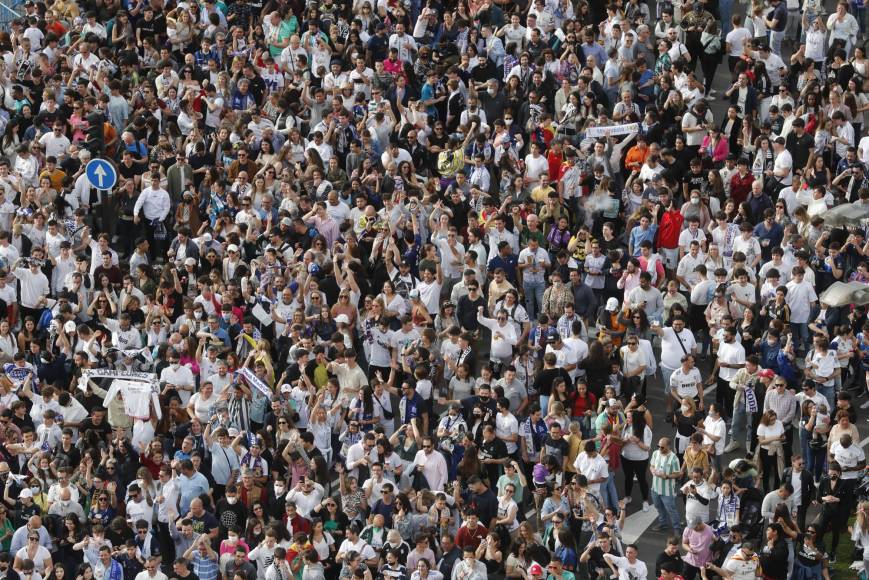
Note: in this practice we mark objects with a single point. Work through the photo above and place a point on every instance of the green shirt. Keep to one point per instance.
(669, 464)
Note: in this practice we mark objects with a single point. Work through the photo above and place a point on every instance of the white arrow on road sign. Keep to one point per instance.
(100, 173)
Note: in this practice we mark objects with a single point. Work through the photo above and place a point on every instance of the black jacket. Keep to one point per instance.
(807, 485)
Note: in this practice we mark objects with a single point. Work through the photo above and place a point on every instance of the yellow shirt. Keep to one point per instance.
(574, 445)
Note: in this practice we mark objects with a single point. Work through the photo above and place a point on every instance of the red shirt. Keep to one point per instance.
(669, 229)
(740, 187)
(466, 537)
(555, 161)
(583, 404)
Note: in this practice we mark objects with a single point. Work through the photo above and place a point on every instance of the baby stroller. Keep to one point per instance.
(750, 513)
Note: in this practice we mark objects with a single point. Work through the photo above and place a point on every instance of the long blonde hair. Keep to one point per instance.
(863, 517)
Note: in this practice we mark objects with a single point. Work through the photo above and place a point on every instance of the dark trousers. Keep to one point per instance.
(167, 546)
(35, 313)
(830, 520)
(801, 513)
(788, 444)
(638, 468)
(157, 247)
(770, 470)
(708, 64)
(724, 399)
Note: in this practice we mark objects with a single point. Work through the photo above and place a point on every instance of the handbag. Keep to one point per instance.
(388, 415)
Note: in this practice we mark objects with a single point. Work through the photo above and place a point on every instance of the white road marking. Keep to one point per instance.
(637, 523)
(864, 442)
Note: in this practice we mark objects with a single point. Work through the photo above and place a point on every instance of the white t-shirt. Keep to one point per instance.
(849, 457)
(684, 383)
(505, 427)
(767, 431)
(430, 294)
(730, 353)
(784, 161)
(628, 571)
(671, 352)
(736, 38)
(717, 428)
(592, 468)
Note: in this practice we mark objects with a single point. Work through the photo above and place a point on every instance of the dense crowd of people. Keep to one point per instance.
(393, 291)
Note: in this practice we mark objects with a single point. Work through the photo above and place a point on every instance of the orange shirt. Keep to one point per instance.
(636, 157)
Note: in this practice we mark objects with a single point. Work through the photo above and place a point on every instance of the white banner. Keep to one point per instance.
(610, 130)
(255, 382)
(17, 374)
(149, 378)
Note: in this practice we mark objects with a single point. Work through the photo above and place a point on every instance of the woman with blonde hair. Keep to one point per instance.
(686, 419)
(860, 531)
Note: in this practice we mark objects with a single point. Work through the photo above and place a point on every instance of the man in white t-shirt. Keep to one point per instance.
(782, 169)
(594, 467)
(507, 426)
(676, 343)
(629, 567)
(850, 457)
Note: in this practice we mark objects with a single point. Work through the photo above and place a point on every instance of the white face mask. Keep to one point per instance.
(685, 409)
(695, 200)
(226, 317)
(35, 490)
(508, 122)
(231, 500)
(492, 92)
(232, 539)
(279, 489)
(197, 315)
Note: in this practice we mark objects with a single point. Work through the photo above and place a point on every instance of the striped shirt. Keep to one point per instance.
(668, 464)
(205, 568)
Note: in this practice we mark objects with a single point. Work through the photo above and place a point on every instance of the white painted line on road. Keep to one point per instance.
(637, 523)
(864, 442)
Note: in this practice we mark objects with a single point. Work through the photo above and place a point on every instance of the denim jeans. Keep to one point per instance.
(668, 515)
(665, 375)
(725, 11)
(828, 392)
(608, 491)
(775, 40)
(741, 425)
(860, 14)
(801, 334)
(533, 298)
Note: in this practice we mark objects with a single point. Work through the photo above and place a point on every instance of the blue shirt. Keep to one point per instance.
(595, 50)
(204, 567)
(411, 408)
(190, 488)
(639, 235)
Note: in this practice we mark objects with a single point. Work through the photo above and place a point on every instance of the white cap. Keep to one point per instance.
(233, 432)
(613, 402)
(26, 492)
(231, 248)
(612, 304)
(342, 319)
(189, 261)
(286, 388)
(69, 326)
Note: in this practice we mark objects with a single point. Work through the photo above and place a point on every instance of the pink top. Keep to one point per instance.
(227, 548)
(699, 543)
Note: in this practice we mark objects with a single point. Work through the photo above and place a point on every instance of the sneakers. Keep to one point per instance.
(832, 559)
(646, 506)
(627, 501)
(732, 446)
(865, 405)
(658, 528)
